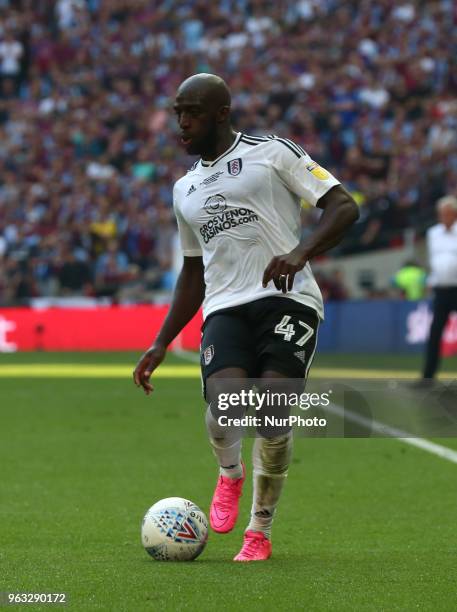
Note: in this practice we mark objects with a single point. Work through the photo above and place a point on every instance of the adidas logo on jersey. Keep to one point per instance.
(192, 188)
(300, 355)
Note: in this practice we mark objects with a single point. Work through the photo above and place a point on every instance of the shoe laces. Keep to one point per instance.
(226, 490)
(252, 542)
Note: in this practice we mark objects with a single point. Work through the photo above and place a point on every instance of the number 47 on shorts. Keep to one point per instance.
(286, 329)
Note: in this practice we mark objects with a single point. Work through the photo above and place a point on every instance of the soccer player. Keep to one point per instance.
(442, 252)
(238, 214)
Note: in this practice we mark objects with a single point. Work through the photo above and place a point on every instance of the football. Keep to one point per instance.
(174, 529)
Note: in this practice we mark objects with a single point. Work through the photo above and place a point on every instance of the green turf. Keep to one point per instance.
(364, 524)
(384, 361)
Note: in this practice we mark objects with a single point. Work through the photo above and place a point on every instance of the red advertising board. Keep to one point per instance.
(114, 328)
(119, 328)
(449, 341)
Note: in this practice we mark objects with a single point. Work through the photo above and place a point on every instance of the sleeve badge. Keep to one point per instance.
(317, 171)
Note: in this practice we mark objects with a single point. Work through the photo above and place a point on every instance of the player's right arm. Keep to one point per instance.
(187, 299)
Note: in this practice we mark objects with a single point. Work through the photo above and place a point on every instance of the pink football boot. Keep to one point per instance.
(224, 507)
(256, 547)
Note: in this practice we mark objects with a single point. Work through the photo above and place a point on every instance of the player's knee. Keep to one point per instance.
(219, 434)
(215, 431)
(222, 387)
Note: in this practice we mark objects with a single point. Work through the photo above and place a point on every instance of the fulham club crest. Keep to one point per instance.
(208, 354)
(234, 166)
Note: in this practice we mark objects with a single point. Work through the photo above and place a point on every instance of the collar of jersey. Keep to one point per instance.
(209, 164)
(452, 229)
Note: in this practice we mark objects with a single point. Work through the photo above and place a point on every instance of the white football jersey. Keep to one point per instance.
(242, 209)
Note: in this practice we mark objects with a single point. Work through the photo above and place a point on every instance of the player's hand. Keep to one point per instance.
(282, 269)
(148, 362)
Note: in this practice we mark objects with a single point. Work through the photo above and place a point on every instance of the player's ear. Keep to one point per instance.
(223, 114)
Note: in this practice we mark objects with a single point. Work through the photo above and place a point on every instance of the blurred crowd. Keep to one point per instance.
(88, 145)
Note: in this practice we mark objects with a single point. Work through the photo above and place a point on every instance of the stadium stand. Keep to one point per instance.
(88, 147)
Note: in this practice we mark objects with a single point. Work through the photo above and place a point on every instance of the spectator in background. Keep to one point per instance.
(11, 52)
(442, 252)
(67, 12)
(74, 275)
(22, 282)
(411, 281)
(111, 270)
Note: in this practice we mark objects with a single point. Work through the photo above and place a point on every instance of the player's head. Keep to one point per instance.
(202, 106)
(447, 210)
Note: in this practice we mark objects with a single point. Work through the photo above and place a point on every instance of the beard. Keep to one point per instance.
(205, 145)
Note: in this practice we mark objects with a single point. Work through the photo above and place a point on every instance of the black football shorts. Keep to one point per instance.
(271, 334)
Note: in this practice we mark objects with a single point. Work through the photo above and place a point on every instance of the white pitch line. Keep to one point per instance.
(393, 432)
(377, 426)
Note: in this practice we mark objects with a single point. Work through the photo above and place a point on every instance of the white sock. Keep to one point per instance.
(271, 458)
(232, 471)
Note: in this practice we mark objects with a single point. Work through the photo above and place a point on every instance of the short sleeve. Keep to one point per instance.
(301, 175)
(189, 242)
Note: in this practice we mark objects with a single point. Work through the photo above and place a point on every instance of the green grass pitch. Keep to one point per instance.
(364, 524)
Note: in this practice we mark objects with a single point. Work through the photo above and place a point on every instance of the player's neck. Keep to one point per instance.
(224, 142)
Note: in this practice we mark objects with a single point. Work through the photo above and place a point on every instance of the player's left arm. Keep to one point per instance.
(306, 179)
(340, 211)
